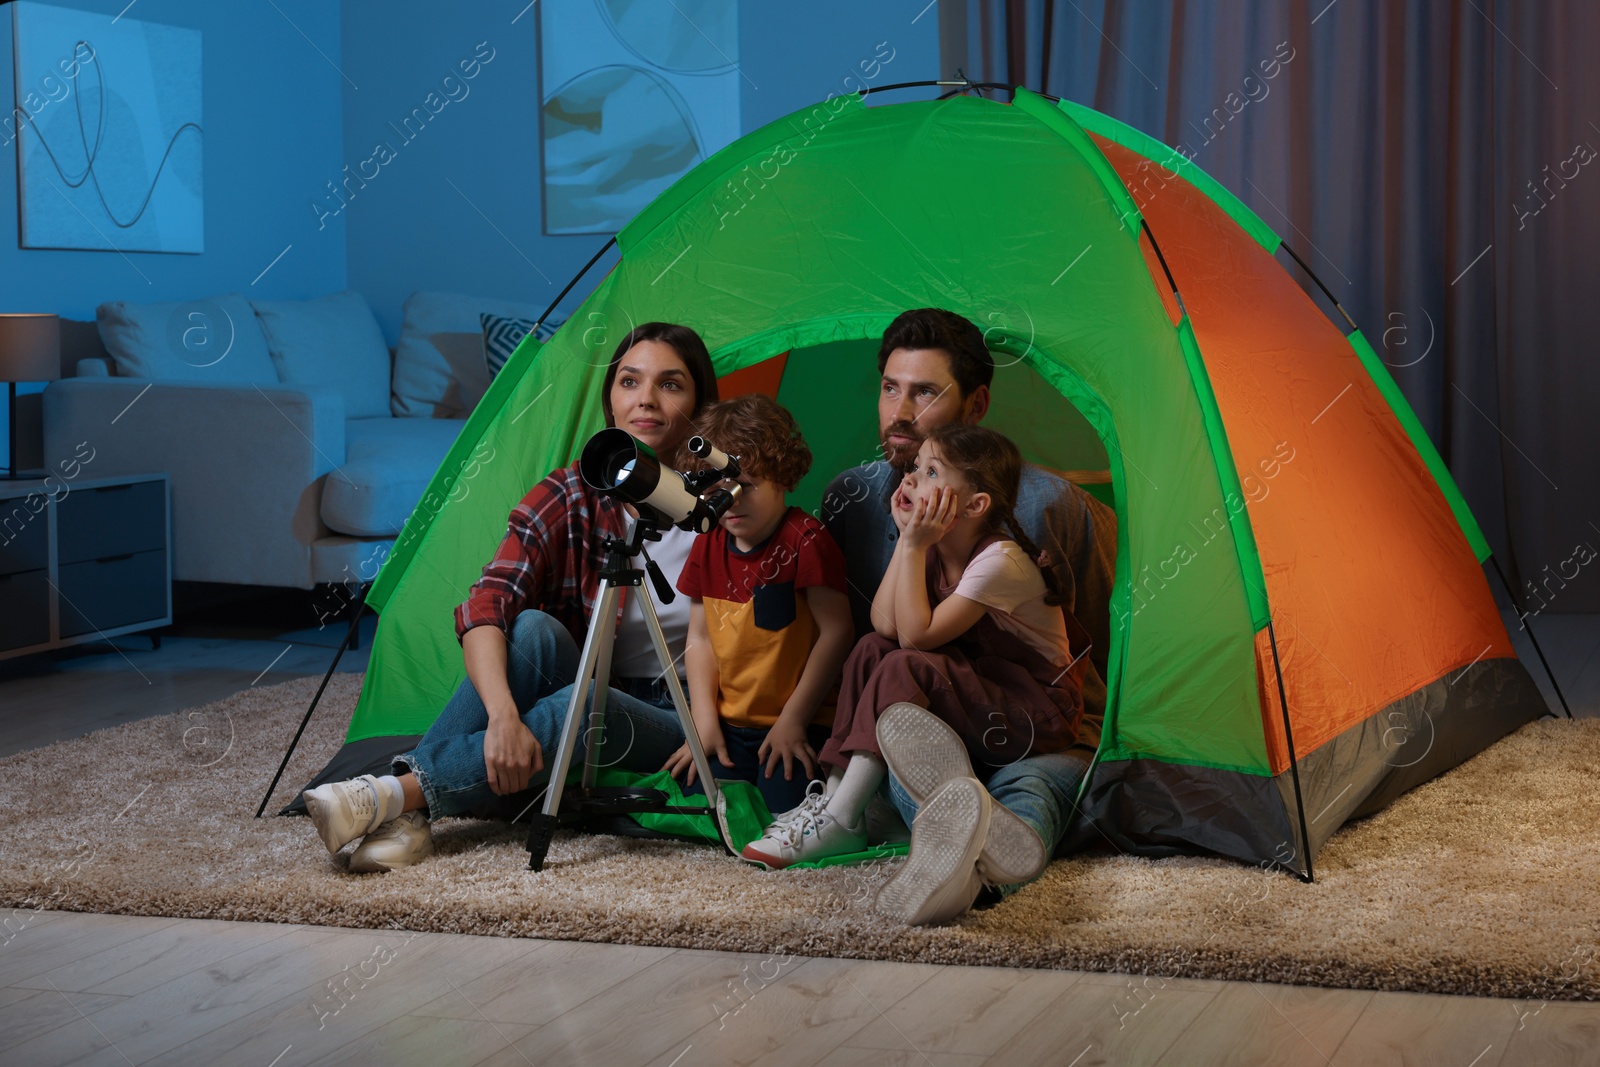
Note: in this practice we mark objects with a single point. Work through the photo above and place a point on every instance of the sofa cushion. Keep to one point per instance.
(332, 341)
(502, 335)
(212, 340)
(388, 463)
(438, 362)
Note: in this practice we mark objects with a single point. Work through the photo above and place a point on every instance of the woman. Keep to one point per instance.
(521, 626)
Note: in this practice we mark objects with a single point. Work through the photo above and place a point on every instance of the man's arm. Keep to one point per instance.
(1080, 535)
(853, 511)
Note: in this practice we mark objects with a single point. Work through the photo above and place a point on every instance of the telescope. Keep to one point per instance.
(621, 467)
(618, 465)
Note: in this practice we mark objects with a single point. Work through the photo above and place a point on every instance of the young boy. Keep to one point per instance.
(769, 618)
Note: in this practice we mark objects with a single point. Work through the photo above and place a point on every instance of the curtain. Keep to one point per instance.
(1435, 163)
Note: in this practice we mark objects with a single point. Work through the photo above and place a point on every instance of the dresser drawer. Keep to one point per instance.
(111, 521)
(24, 609)
(24, 536)
(107, 593)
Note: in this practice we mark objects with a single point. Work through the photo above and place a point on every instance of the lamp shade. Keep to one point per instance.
(30, 348)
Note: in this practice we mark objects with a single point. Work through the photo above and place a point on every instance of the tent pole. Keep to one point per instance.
(1325, 290)
(1294, 763)
(356, 612)
(1548, 673)
(582, 271)
(1503, 580)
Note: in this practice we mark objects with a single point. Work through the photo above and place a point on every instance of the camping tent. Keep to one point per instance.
(1301, 626)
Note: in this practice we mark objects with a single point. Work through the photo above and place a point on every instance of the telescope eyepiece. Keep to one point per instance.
(715, 458)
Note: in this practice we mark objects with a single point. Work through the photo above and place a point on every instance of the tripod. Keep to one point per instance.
(617, 573)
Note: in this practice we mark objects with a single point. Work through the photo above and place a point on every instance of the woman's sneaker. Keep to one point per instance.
(924, 753)
(344, 811)
(940, 880)
(397, 843)
(809, 836)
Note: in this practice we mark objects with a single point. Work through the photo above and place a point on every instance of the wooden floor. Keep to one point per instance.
(106, 989)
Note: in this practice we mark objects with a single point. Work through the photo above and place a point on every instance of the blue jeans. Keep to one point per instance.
(541, 666)
(744, 745)
(1040, 790)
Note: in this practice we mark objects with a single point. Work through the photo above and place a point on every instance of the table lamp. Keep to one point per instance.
(30, 351)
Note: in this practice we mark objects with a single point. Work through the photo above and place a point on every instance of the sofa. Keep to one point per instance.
(295, 441)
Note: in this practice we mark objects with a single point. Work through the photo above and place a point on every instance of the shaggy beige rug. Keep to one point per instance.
(1485, 881)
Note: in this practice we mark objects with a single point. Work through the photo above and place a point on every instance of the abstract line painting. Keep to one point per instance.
(635, 93)
(108, 129)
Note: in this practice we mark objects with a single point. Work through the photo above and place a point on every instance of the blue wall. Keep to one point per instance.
(457, 207)
(272, 136)
(410, 228)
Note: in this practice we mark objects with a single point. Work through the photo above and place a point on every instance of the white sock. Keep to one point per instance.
(847, 799)
(391, 799)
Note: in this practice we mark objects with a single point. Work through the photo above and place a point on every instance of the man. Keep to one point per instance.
(935, 369)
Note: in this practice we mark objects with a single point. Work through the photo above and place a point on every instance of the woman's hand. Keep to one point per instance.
(511, 754)
(787, 742)
(716, 747)
(931, 520)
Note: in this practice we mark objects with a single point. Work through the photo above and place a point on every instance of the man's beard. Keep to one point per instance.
(901, 457)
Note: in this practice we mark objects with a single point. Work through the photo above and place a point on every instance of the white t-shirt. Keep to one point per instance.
(1003, 579)
(633, 655)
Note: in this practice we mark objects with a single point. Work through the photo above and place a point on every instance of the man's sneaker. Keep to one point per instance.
(809, 836)
(397, 843)
(814, 802)
(940, 880)
(923, 753)
(344, 811)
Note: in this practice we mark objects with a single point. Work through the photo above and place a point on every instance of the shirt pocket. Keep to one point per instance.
(774, 605)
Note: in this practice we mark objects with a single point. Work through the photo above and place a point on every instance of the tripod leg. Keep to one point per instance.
(594, 733)
(544, 823)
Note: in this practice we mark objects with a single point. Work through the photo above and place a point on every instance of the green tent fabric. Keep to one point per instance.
(808, 237)
(702, 236)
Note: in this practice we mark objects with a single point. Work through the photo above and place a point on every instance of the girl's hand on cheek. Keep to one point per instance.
(900, 509)
(931, 521)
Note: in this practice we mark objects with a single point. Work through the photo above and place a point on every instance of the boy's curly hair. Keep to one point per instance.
(762, 433)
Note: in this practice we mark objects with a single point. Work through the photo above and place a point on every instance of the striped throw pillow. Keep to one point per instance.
(502, 335)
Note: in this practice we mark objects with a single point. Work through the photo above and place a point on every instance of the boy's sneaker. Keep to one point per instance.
(924, 753)
(940, 880)
(810, 836)
(814, 802)
(344, 811)
(397, 843)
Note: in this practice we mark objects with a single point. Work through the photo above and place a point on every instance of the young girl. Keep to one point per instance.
(967, 627)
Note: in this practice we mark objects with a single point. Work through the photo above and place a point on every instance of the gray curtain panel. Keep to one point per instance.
(1434, 162)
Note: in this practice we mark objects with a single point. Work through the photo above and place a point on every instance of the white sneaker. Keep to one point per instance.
(940, 880)
(344, 811)
(810, 836)
(397, 843)
(814, 802)
(924, 753)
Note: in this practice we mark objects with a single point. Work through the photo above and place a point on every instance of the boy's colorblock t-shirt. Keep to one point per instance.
(761, 628)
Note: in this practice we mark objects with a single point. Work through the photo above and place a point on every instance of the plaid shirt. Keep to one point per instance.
(550, 558)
